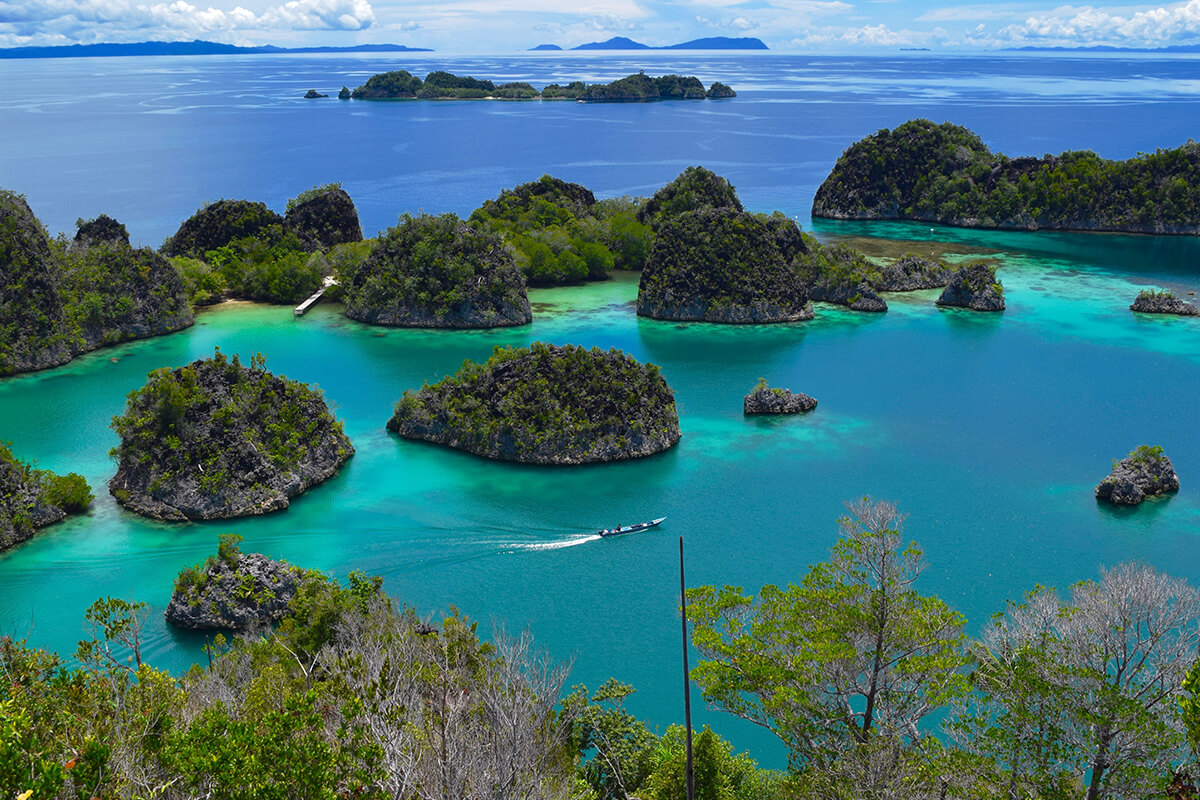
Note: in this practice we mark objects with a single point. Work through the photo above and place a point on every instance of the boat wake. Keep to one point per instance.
(588, 537)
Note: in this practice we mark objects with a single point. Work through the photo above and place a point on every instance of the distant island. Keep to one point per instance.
(944, 173)
(441, 85)
(708, 43)
(198, 47)
(1106, 48)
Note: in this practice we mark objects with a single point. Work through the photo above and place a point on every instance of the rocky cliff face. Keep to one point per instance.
(33, 332)
(944, 173)
(974, 287)
(324, 217)
(911, 273)
(720, 265)
(241, 593)
(765, 400)
(546, 405)
(1145, 472)
(31, 499)
(1163, 303)
(216, 439)
(58, 302)
(217, 225)
(437, 272)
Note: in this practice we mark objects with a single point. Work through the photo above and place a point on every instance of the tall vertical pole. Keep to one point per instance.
(687, 695)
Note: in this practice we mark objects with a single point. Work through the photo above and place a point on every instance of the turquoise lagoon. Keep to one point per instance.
(989, 430)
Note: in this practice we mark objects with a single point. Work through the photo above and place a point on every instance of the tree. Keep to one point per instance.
(1089, 689)
(844, 667)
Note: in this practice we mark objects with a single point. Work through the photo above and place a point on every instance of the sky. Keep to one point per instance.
(500, 26)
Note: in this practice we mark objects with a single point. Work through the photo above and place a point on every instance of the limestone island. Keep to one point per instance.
(441, 85)
(34, 498)
(216, 439)
(839, 275)
(974, 286)
(437, 272)
(766, 400)
(1162, 302)
(59, 299)
(911, 273)
(233, 591)
(313, 94)
(241, 249)
(559, 233)
(1145, 472)
(711, 261)
(546, 405)
(947, 175)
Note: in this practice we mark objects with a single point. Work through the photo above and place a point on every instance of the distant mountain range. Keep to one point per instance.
(195, 48)
(1106, 48)
(710, 43)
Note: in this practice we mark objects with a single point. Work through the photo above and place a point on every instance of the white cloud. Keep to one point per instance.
(53, 21)
(1083, 25)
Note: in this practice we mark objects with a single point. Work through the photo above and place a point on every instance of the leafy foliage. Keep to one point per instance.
(721, 265)
(217, 438)
(32, 498)
(558, 233)
(546, 404)
(843, 667)
(944, 173)
(437, 272)
(693, 189)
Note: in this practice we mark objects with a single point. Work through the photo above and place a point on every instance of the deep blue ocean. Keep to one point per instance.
(990, 431)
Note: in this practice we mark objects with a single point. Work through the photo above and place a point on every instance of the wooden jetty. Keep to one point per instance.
(316, 297)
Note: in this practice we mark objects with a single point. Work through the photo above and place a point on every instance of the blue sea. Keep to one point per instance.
(989, 431)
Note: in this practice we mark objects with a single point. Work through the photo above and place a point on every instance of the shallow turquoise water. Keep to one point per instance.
(989, 430)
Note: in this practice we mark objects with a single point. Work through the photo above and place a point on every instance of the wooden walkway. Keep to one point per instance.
(316, 298)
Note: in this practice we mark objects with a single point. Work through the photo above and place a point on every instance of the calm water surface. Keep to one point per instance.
(988, 430)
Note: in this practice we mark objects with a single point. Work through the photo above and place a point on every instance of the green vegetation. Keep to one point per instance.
(944, 173)
(437, 272)
(1146, 454)
(721, 265)
(32, 498)
(852, 668)
(242, 249)
(216, 438)
(693, 189)
(59, 299)
(403, 85)
(1092, 694)
(546, 405)
(558, 233)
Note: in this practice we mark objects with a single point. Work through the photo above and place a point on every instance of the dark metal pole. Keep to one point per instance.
(687, 695)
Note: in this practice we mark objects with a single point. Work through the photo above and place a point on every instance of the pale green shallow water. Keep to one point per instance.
(990, 430)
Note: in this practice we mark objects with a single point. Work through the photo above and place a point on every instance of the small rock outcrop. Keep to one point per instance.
(101, 230)
(720, 265)
(437, 272)
(975, 287)
(324, 217)
(546, 405)
(313, 94)
(31, 499)
(766, 400)
(1150, 302)
(1145, 472)
(218, 224)
(233, 591)
(345, 93)
(216, 439)
(911, 272)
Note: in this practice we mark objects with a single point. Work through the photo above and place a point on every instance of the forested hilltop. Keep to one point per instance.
(874, 689)
(946, 174)
(440, 85)
(61, 298)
